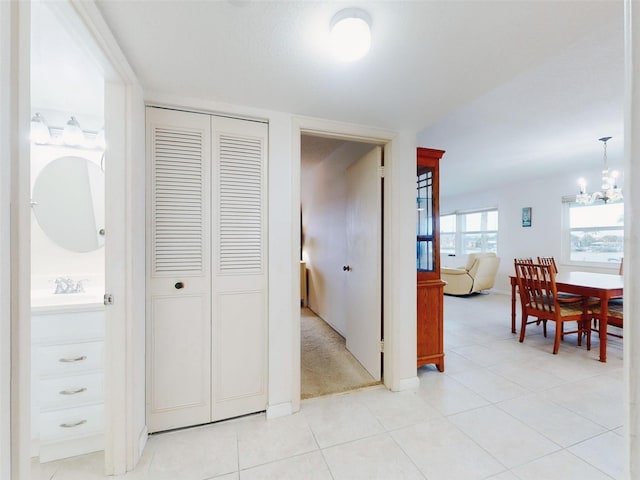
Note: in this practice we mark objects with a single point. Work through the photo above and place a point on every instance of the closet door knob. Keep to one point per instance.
(346, 268)
(179, 285)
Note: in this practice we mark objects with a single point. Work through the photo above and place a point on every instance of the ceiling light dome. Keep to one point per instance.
(350, 34)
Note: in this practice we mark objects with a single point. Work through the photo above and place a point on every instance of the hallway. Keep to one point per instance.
(326, 365)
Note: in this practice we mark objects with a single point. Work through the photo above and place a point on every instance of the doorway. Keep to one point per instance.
(124, 433)
(68, 232)
(341, 259)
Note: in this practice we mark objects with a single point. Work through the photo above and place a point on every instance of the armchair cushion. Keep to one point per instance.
(478, 274)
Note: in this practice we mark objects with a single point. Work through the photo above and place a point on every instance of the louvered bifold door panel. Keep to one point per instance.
(239, 335)
(178, 269)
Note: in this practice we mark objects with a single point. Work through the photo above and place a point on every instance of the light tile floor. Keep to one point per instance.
(501, 410)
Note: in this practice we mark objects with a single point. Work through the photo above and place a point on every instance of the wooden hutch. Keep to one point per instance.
(430, 285)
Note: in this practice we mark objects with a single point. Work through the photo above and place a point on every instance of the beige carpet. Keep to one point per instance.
(327, 366)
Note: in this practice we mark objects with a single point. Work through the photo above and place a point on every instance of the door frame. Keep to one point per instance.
(398, 292)
(124, 115)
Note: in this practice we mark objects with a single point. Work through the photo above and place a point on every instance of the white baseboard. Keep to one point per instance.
(279, 410)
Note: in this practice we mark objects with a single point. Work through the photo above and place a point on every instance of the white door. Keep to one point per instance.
(239, 321)
(364, 258)
(178, 270)
(207, 268)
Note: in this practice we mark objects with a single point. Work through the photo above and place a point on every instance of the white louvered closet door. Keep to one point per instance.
(178, 269)
(239, 327)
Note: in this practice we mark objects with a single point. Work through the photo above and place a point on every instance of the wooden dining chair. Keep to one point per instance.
(615, 310)
(551, 261)
(614, 316)
(548, 261)
(539, 299)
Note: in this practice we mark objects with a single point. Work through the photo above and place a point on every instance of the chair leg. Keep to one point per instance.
(523, 327)
(544, 328)
(580, 332)
(588, 333)
(558, 336)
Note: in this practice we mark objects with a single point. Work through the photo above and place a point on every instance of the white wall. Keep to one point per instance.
(323, 195)
(543, 238)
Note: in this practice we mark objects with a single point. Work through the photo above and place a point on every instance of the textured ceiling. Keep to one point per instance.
(499, 85)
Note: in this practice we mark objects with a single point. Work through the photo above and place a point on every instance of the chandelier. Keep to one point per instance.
(610, 192)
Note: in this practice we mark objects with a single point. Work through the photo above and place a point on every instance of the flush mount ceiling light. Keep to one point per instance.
(350, 34)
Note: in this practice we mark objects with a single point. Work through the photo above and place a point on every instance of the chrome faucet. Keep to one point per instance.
(67, 285)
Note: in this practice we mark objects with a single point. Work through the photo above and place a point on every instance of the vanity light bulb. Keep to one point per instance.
(72, 133)
(40, 132)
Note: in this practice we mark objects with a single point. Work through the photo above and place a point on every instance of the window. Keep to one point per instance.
(469, 232)
(448, 234)
(595, 232)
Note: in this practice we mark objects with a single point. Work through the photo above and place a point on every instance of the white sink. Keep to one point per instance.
(43, 299)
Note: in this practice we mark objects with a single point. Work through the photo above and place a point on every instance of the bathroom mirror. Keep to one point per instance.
(68, 202)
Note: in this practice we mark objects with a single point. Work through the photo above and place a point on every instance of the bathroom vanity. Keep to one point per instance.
(67, 401)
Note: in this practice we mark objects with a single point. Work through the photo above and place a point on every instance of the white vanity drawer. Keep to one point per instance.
(70, 359)
(65, 392)
(71, 422)
(67, 327)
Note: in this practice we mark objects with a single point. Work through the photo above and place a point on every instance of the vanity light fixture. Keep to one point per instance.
(40, 132)
(72, 133)
(350, 34)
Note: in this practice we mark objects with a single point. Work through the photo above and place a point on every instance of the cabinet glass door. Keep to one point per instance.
(425, 244)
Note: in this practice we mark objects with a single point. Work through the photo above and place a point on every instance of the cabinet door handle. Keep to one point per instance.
(74, 424)
(73, 360)
(73, 392)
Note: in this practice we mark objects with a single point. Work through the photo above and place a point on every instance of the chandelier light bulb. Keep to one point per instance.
(583, 185)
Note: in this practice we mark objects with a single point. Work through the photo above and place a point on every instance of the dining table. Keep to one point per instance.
(603, 286)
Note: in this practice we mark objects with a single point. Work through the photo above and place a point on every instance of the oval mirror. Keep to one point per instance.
(68, 201)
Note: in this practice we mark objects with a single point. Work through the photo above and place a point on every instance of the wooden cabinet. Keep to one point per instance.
(429, 284)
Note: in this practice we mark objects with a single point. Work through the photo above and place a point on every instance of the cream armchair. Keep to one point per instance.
(478, 274)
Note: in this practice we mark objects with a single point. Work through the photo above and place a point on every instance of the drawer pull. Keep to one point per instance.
(73, 392)
(74, 424)
(73, 360)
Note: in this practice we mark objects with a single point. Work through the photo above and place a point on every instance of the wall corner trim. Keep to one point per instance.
(279, 410)
(411, 383)
(142, 441)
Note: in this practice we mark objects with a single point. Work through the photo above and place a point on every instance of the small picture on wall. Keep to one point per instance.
(526, 216)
